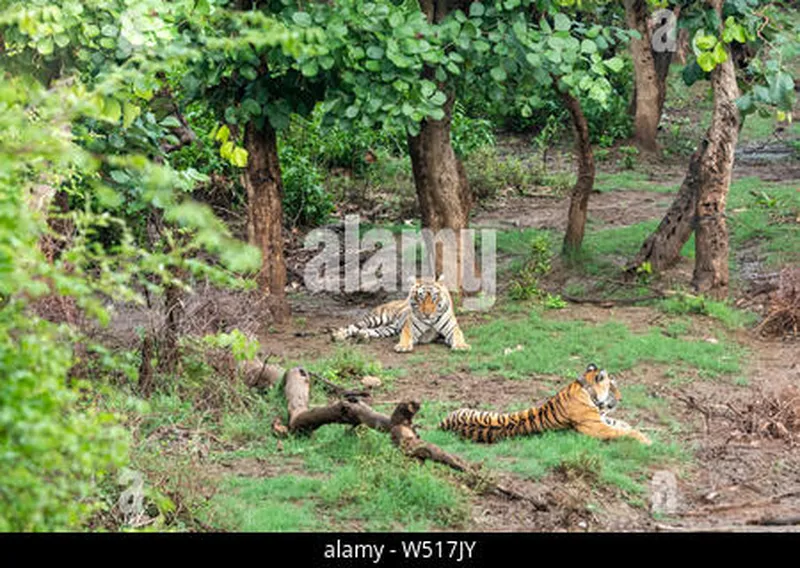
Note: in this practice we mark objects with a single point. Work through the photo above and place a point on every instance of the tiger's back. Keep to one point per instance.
(580, 405)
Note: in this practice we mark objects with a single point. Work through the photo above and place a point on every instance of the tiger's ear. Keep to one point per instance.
(591, 367)
(441, 278)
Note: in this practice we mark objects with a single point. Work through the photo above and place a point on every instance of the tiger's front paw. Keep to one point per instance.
(461, 347)
(339, 335)
(362, 335)
(403, 348)
(643, 439)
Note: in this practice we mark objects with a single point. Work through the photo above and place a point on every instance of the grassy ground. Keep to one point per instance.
(212, 460)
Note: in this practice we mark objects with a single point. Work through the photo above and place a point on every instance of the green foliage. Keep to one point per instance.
(306, 201)
(525, 284)
(730, 317)
(629, 156)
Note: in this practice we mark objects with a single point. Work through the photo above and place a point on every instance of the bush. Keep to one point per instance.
(306, 202)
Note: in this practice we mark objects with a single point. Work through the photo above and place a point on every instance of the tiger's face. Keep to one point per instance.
(602, 387)
(428, 298)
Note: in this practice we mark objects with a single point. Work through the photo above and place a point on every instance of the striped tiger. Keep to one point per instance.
(424, 316)
(580, 405)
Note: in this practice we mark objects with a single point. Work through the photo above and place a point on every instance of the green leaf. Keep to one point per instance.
(706, 61)
(375, 52)
(615, 64)
(62, 40)
(112, 110)
(239, 157)
(719, 53)
(309, 69)
(692, 73)
(427, 88)
(130, 112)
(302, 19)
(223, 134)
(498, 74)
(119, 176)
(109, 30)
(476, 10)
(588, 46)
(251, 107)
(705, 42)
(249, 72)
(562, 22)
(226, 150)
(745, 104)
(439, 98)
(170, 122)
(45, 46)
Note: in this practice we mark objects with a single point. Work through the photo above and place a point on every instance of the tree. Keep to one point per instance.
(700, 203)
(73, 78)
(651, 68)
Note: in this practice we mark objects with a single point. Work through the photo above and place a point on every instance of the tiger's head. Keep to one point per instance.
(429, 298)
(601, 387)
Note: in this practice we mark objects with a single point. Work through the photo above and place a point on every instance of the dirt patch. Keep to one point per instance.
(257, 467)
(614, 208)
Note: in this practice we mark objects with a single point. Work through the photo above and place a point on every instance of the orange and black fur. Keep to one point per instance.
(580, 405)
(425, 315)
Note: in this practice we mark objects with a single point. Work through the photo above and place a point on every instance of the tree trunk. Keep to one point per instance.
(663, 248)
(711, 238)
(579, 201)
(700, 203)
(442, 187)
(439, 176)
(649, 91)
(262, 180)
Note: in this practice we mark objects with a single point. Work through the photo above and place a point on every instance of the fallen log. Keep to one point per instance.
(399, 426)
(303, 419)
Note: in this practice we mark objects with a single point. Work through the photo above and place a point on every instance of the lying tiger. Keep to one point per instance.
(580, 405)
(424, 316)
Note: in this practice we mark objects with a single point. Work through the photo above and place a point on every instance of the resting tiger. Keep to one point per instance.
(424, 316)
(580, 405)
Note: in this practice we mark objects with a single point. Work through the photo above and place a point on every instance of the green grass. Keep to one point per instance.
(565, 347)
(765, 214)
(629, 180)
(359, 479)
(723, 312)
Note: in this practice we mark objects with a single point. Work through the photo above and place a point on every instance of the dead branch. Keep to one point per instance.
(746, 505)
(399, 425)
(339, 390)
(776, 521)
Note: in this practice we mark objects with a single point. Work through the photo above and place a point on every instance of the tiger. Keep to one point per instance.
(422, 317)
(581, 405)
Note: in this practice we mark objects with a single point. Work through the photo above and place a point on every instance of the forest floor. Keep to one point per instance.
(738, 468)
(720, 400)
